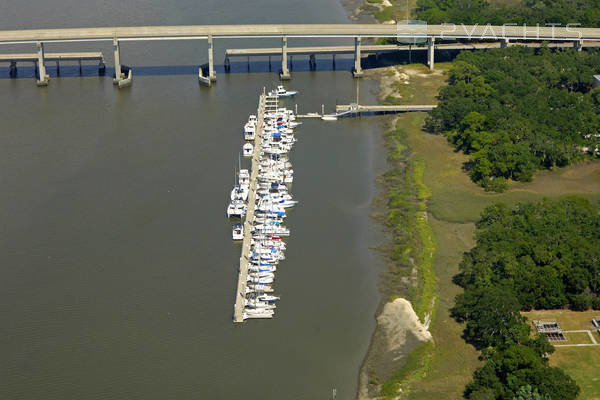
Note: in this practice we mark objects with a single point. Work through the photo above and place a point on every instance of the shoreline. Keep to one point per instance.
(401, 339)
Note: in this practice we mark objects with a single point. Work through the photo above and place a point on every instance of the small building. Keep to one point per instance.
(551, 329)
(596, 81)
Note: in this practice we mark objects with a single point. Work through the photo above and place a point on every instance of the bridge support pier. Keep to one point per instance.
(312, 62)
(120, 79)
(43, 77)
(430, 52)
(285, 72)
(357, 71)
(211, 65)
(12, 70)
(504, 43)
(578, 45)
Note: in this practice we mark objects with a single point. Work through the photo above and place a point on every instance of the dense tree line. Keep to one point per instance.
(543, 255)
(531, 12)
(516, 110)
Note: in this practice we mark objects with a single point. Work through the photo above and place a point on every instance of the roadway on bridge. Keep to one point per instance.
(305, 30)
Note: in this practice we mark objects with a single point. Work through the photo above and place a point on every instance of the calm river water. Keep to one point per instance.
(117, 269)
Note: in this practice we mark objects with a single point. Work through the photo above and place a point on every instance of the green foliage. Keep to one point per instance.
(510, 368)
(548, 253)
(542, 255)
(386, 14)
(530, 12)
(492, 314)
(515, 111)
(528, 393)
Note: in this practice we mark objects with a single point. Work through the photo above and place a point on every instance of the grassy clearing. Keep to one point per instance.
(416, 366)
(453, 203)
(582, 364)
(568, 320)
(578, 338)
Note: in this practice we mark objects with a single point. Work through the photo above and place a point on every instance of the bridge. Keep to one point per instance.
(57, 57)
(429, 34)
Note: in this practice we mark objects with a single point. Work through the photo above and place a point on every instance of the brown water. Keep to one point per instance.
(117, 269)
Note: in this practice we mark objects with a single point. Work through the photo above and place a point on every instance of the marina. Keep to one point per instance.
(260, 198)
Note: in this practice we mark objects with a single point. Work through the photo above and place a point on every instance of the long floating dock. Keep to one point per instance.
(240, 295)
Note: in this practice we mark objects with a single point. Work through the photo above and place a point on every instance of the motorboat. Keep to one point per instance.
(249, 131)
(329, 118)
(262, 268)
(282, 92)
(257, 316)
(266, 280)
(255, 303)
(263, 274)
(244, 178)
(258, 287)
(266, 297)
(257, 311)
(238, 232)
(247, 150)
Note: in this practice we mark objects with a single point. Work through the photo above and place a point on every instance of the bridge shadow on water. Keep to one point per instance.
(296, 64)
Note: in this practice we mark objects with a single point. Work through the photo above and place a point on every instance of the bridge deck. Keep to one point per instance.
(554, 33)
(52, 57)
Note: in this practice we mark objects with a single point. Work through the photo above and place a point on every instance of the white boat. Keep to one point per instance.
(260, 280)
(266, 297)
(256, 311)
(259, 287)
(329, 118)
(244, 178)
(281, 92)
(249, 131)
(262, 268)
(236, 208)
(257, 316)
(255, 303)
(239, 192)
(238, 232)
(247, 150)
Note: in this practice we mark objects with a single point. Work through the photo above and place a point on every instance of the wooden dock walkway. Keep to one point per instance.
(240, 295)
(349, 109)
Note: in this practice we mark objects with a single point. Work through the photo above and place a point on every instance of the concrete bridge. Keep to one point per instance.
(429, 34)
